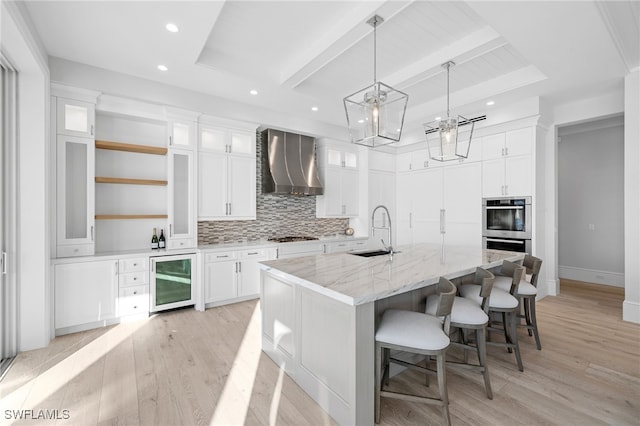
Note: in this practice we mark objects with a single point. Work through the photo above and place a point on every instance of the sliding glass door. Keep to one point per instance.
(8, 147)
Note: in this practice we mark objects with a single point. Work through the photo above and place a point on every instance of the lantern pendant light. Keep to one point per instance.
(375, 114)
(443, 137)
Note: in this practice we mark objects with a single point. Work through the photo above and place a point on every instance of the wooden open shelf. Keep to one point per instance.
(118, 146)
(130, 216)
(102, 179)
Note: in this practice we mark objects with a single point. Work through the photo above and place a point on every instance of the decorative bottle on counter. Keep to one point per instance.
(154, 240)
(161, 241)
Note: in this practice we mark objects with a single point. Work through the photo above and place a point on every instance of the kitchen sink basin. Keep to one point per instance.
(371, 253)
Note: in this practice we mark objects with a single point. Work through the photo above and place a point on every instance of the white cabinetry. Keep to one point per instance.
(226, 174)
(85, 293)
(234, 275)
(75, 196)
(75, 118)
(133, 286)
(182, 223)
(415, 161)
(338, 170)
(454, 189)
(182, 128)
(507, 163)
(346, 246)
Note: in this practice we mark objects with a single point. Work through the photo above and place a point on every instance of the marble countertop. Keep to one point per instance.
(357, 280)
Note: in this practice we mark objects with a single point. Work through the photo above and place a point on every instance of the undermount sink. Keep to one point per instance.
(371, 253)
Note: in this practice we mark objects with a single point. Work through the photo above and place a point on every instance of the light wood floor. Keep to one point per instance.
(193, 368)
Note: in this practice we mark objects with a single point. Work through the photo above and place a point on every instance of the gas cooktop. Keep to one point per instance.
(291, 239)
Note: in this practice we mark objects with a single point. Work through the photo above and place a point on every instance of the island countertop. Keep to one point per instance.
(356, 280)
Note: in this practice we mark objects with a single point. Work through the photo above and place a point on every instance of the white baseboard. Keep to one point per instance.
(631, 311)
(614, 279)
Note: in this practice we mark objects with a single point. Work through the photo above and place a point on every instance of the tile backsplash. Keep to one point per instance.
(276, 216)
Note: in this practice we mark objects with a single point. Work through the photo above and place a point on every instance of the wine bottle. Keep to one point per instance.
(154, 240)
(161, 241)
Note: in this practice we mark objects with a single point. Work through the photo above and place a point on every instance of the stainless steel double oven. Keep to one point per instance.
(507, 223)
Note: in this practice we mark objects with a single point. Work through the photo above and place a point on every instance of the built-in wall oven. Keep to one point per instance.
(172, 281)
(506, 223)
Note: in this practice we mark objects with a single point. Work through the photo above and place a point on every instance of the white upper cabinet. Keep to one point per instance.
(227, 141)
(75, 118)
(507, 167)
(226, 174)
(507, 144)
(415, 161)
(182, 128)
(338, 170)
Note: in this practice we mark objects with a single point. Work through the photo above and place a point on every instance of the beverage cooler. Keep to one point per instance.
(172, 282)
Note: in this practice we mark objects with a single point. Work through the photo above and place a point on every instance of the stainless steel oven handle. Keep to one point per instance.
(504, 207)
(495, 240)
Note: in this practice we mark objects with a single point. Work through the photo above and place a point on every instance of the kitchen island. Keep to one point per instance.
(319, 314)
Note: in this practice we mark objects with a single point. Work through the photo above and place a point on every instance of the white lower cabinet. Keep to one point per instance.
(85, 293)
(346, 246)
(96, 293)
(233, 275)
(133, 284)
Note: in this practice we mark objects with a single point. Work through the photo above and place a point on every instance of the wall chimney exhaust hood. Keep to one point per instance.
(289, 164)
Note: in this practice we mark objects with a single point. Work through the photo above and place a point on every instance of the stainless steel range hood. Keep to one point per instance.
(289, 164)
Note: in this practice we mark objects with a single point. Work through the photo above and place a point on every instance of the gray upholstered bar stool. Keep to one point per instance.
(527, 292)
(467, 316)
(418, 333)
(503, 303)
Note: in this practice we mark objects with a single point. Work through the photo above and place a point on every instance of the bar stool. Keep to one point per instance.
(503, 303)
(417, 333)
(527, 292)
(467, 315)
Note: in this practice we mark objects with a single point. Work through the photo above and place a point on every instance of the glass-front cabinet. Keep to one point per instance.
(75, 118)
(75, 196)
(182, 233)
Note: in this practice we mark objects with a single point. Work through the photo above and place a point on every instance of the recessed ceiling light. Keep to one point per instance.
(489, 103)
(163, 68)
(253, 92)
(314, 108)
(360, 121)
(438, 118)
(172, 27)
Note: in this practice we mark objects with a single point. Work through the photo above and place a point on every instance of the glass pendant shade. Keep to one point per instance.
(444, 141)
(375, 115)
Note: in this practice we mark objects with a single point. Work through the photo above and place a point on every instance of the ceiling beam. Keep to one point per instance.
(471, 46)
(338, 38)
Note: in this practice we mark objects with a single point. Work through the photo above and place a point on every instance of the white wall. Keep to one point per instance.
(631, 305)
(590, 202)
(26, 53)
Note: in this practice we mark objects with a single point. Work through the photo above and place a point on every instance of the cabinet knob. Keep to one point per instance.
(135, 292)
(135, 278)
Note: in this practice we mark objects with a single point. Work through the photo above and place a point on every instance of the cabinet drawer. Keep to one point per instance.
(133, 265)
(133, 300)
(75, 250)
(133, 278)
(254, 254)
(221, 257)
(180, 244)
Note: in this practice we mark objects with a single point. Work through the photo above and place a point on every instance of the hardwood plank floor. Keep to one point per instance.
(193, 368)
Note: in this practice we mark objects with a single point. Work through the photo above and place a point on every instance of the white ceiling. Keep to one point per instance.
(300, 54)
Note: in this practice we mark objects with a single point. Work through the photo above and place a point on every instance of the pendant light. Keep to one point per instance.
(443, 135)
(375, 114)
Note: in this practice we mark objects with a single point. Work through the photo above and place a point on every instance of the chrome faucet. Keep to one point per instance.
(389, 248)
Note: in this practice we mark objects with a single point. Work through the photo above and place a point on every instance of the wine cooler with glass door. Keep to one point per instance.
(172, 281)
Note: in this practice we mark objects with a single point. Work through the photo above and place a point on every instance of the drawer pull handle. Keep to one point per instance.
(135, 278)
(135, 307)
(135, 292)
(255, 252)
